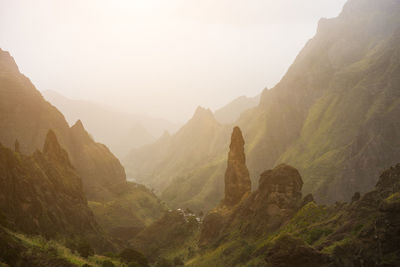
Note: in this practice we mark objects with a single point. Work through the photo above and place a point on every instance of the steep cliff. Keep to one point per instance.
(42, 194)
(26, 116)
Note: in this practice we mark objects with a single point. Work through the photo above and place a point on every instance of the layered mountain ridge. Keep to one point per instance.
(120, 131)
(333, 115)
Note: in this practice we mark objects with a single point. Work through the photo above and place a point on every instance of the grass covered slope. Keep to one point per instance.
(17, 249)
(128, 213)
(180, 167)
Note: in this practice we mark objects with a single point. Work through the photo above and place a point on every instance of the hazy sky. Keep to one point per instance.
(159, 57)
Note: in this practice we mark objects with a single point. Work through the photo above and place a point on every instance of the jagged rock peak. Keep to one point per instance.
(237, 178)
(78, 125)
(7, 62)
(282, 183)
(53, 150)
(80, 132)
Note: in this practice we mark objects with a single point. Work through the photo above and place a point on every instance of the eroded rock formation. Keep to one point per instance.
(237, 178)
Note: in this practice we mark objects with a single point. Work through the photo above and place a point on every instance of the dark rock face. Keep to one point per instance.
(43, 194)
(54, 151)
(389, 181)
(276, 200)
(273, 203)
(281, 186)
(237, 178)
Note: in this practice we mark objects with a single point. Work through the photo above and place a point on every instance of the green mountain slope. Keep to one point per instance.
(175, 165)
(333, 115)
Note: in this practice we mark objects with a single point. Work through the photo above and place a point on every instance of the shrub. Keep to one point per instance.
(107, 263)
(178, 262)
(84, 249)
(71, 245)
(130, 255)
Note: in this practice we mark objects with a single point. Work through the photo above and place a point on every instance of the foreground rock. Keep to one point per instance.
(43, 195)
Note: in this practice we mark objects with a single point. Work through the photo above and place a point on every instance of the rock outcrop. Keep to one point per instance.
(43, 194)
(280, 187)
(237, 178)
(53, 150)
(276, 200)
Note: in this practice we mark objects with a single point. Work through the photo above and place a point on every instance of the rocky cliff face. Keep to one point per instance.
(263, 211)
(281, 186)
(43, 194)
(237, 178)
(26, 116)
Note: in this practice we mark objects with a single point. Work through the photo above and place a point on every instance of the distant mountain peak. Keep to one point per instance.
(79, 130)
(79, 125)
(203, 114)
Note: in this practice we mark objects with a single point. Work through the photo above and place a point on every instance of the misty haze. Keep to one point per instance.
(200, 133)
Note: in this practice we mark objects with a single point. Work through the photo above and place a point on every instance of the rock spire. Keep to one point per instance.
(237, 178)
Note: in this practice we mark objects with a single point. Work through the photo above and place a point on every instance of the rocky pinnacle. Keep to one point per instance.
(237, 178)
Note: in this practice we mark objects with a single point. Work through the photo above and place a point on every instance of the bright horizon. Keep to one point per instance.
(155, 57)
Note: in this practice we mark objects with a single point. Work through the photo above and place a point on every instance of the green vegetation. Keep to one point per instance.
(393, 198)
(129, 212)
(38, 251)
